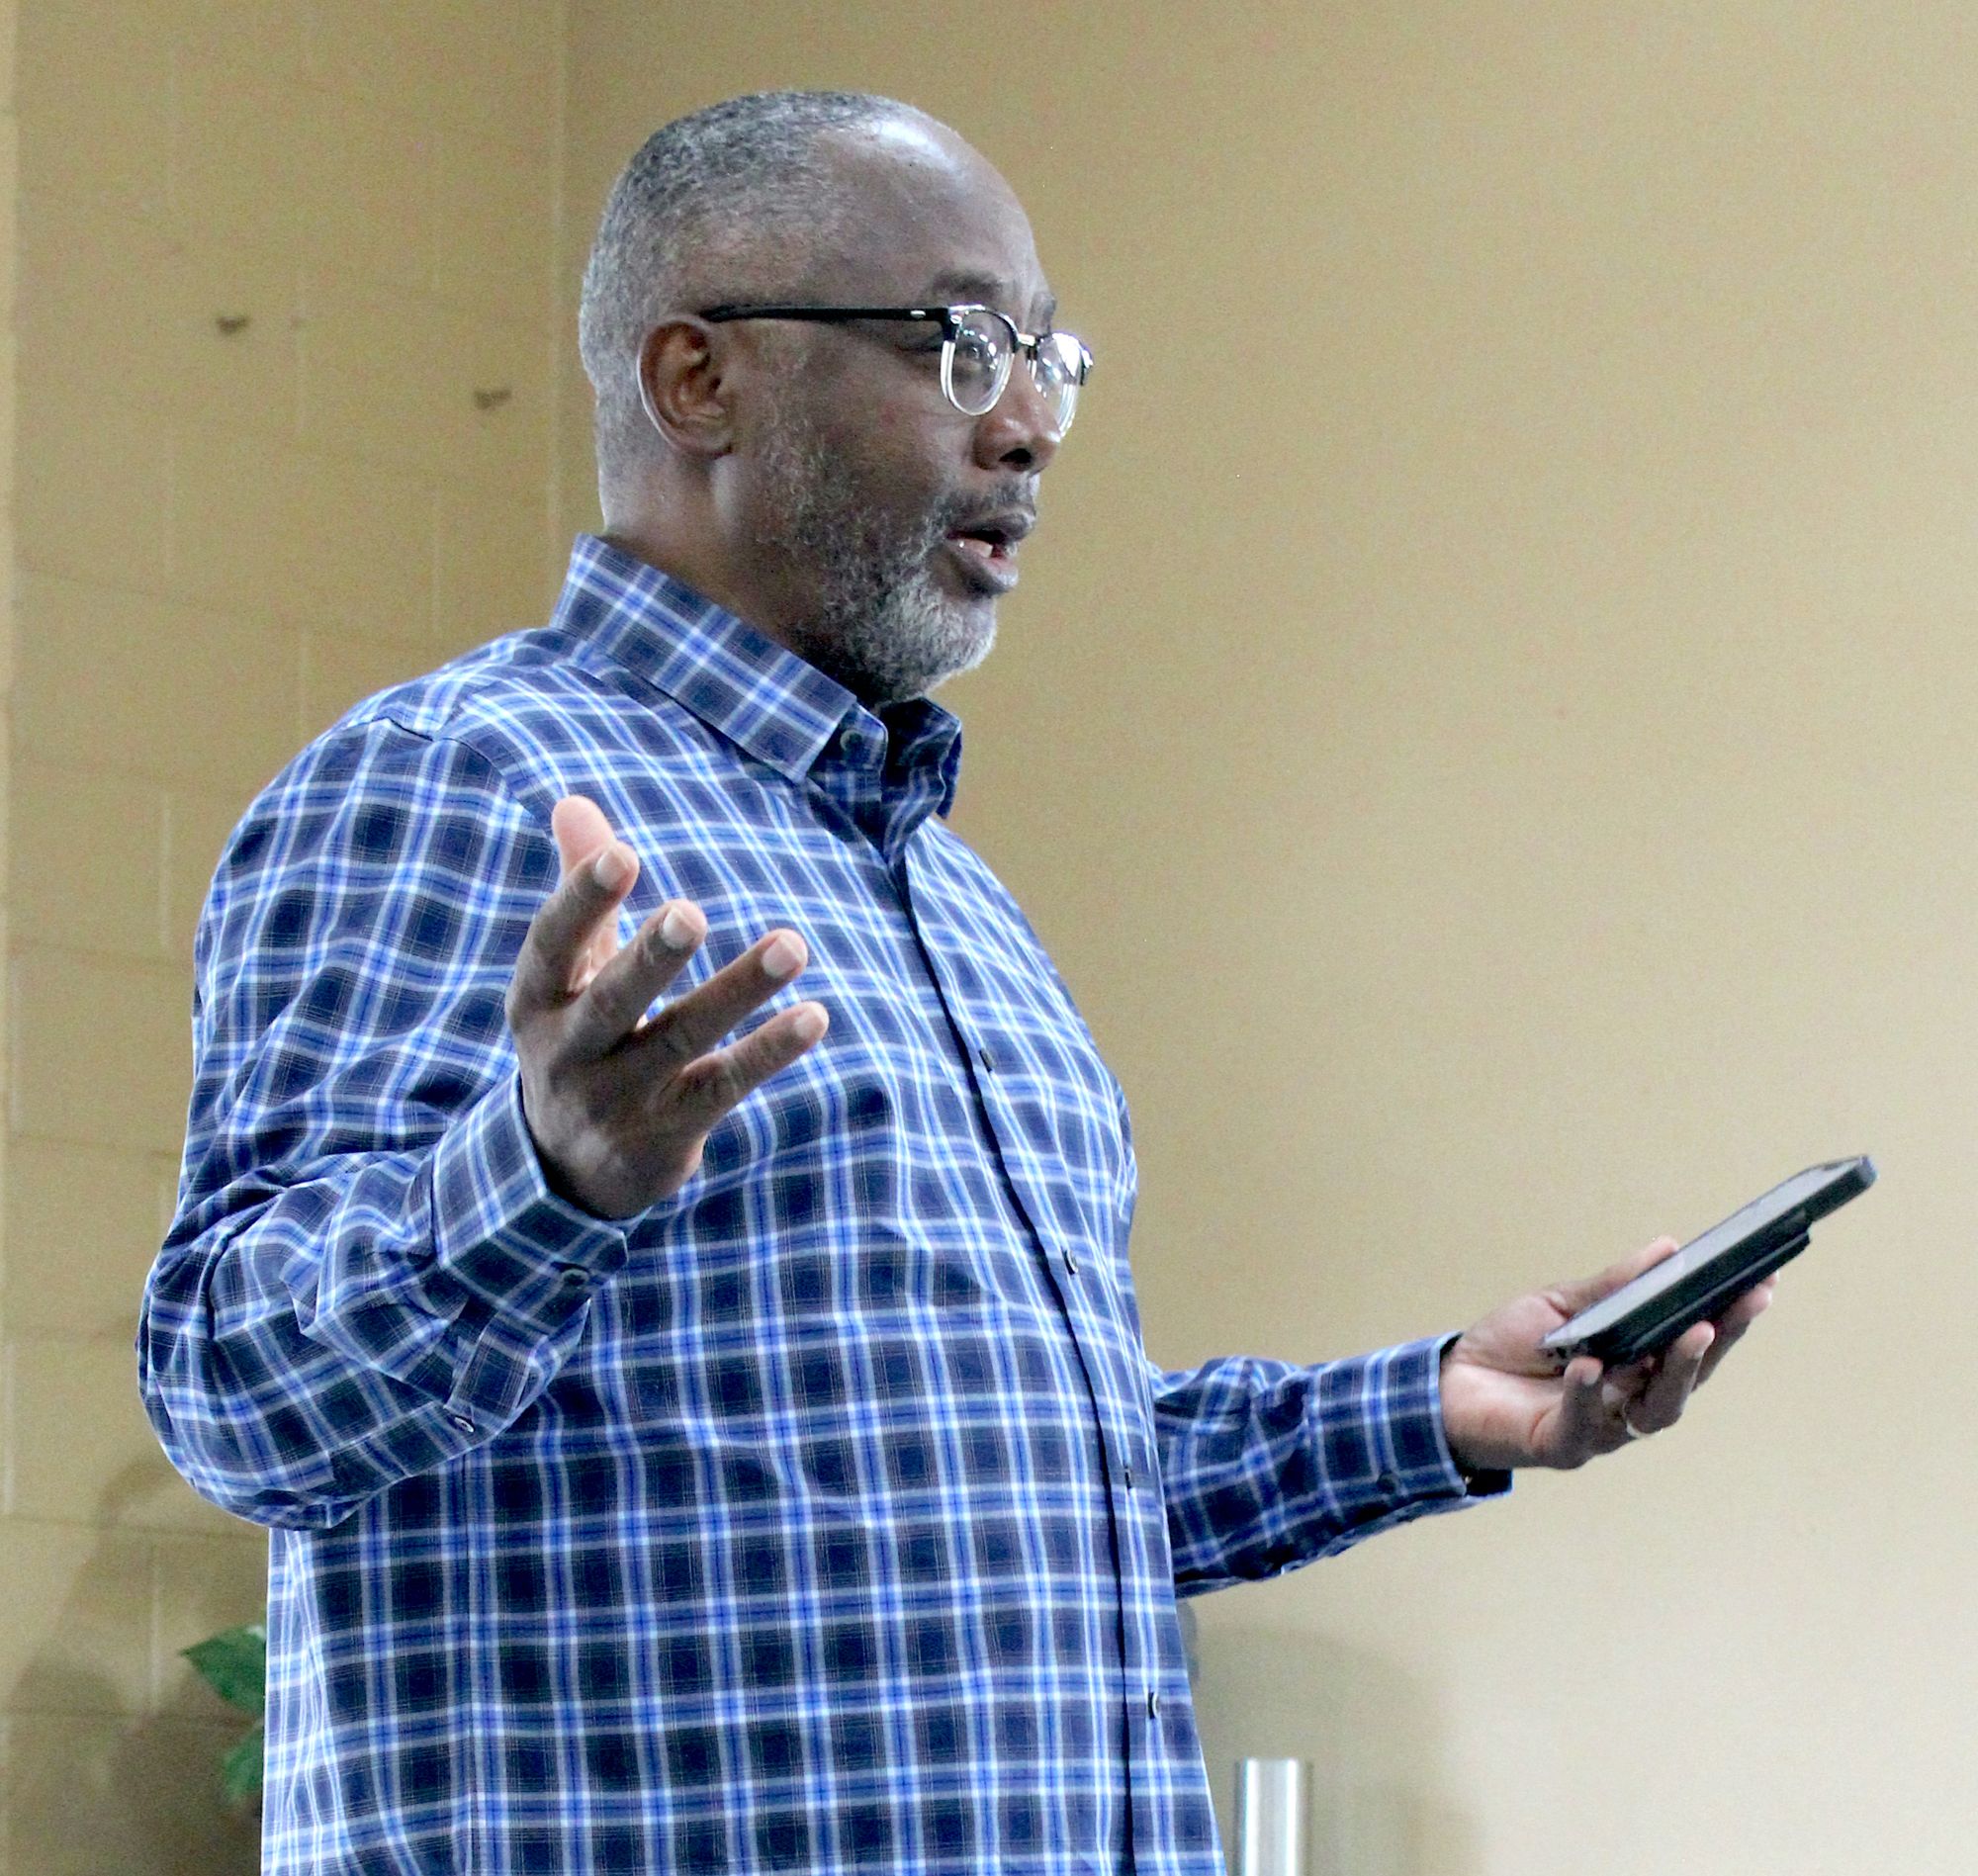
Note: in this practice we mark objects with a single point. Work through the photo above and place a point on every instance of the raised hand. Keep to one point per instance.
(620, 1106)
(1505, 1401)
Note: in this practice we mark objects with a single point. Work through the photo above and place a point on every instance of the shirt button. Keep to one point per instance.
(986, 1057)
(1071, 1265)
(1130, 1478)
(462, 1422)
(1153, 1704)
(574, 1275)
(1388, 1484)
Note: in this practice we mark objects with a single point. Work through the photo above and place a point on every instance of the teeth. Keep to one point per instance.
(976, 545)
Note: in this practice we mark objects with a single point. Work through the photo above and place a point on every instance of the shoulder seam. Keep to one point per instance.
(519, 795)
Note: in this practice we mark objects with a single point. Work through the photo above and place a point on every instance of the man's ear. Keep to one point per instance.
(683, 388)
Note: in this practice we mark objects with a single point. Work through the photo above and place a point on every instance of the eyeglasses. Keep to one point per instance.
(979, 348)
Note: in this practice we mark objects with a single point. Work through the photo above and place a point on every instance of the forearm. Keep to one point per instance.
(303, 1349)
(1267, 1466)
(361, 1280)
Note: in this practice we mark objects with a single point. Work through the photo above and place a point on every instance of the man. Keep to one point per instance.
(689, 1440)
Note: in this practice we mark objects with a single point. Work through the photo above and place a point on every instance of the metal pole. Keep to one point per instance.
(1270, 1816)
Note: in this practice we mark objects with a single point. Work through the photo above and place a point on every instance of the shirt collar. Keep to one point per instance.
(765, 699)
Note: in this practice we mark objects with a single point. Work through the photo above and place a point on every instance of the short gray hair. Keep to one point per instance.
(707, 199)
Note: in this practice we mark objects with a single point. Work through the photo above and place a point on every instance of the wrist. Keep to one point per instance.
(1483, 1472)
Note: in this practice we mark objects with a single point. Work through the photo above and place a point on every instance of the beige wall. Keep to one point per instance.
(285, 416)
(1487, 729)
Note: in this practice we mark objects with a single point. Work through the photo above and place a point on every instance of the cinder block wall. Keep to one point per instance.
(284, 332)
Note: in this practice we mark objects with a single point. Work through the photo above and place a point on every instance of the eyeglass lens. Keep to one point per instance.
(980, 358)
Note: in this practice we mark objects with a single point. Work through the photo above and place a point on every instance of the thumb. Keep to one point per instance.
(1572, 1298)
(582, 830)
(581, 833)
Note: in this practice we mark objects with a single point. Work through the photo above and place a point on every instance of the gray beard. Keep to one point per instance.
(879, 626)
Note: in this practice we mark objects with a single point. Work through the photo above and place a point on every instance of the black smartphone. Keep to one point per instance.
(1706, 1273)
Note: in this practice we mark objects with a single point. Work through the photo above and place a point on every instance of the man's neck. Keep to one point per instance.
(701, 572)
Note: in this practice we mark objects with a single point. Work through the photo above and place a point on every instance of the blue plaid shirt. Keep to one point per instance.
(828, 1516)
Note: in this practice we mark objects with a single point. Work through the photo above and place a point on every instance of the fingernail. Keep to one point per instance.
(612, 867)
(782, 956)
(810, 1023)
(677, 928)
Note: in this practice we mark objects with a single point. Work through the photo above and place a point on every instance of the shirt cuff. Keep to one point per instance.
(501, 1232)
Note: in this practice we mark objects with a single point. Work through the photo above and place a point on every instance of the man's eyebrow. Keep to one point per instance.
(982, 290)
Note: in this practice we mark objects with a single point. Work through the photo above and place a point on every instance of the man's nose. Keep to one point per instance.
(1022, 431)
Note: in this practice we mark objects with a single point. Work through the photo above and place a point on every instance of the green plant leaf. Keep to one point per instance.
(240, 1769)
(234, 1664)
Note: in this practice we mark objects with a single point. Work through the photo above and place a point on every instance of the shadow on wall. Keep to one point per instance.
(92, 1786)
(139, 1797)
(1368, 1733)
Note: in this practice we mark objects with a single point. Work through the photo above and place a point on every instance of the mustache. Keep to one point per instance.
(1015, 503)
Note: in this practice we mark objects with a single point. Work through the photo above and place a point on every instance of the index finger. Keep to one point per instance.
(565, 921)
(1731, 1323)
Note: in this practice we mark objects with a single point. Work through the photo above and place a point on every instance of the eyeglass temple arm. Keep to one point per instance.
(1028, 342)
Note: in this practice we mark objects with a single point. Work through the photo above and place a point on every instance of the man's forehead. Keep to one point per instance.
(1030, 300)
(929, 218)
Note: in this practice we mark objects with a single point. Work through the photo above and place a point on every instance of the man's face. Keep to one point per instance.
(892, 517)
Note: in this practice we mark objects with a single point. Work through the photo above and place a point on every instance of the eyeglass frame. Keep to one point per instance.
(1023, 344)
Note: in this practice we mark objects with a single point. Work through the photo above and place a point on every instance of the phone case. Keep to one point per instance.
(1776, 1235)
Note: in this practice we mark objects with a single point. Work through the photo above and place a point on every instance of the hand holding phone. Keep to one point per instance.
(1700, 1280)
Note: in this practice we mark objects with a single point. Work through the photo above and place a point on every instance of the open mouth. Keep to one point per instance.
(990, 541)
(986, 549)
